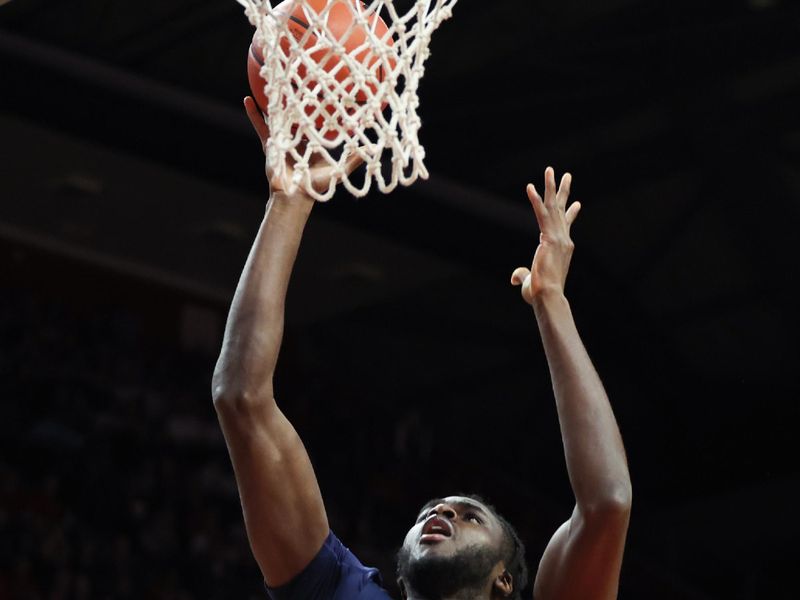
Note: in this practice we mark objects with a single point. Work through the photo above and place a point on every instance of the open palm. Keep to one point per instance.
(551, 260)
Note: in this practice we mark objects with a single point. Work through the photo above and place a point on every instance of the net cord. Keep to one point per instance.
(364, 96)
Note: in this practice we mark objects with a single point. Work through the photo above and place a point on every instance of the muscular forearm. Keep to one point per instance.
(595, 456)
(255, 323)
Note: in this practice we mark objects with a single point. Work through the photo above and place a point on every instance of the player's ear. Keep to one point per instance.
(504, 584)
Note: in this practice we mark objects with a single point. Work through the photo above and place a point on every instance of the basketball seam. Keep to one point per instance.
(299, 21)
(255, 56)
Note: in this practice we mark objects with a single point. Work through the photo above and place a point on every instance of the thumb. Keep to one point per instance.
(256, 119)
(519, 275)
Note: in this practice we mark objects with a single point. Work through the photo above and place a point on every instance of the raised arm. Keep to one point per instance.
(282, 504)
(584, 557)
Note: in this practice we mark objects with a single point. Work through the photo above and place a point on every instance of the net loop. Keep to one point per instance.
(339, 96)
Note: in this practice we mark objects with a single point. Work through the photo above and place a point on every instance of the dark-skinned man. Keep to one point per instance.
(459, 547)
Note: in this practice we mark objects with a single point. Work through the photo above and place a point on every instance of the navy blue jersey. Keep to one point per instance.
(334, 574)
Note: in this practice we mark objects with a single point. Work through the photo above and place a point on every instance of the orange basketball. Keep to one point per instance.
(339, 21)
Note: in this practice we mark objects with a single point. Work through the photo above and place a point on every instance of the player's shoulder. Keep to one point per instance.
(335, 573)
(358, 581)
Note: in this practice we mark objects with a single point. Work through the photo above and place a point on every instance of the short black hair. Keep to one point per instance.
(513, 550)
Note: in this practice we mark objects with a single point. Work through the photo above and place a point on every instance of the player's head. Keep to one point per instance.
(461, 544)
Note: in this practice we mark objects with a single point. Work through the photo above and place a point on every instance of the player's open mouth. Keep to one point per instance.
(435, 530)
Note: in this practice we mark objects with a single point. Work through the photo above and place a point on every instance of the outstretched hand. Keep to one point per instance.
(320, 170)
(548, 272)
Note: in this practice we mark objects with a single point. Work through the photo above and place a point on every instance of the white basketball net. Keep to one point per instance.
(304, 88)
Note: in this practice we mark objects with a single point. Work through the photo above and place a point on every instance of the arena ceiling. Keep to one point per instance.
(124, 146)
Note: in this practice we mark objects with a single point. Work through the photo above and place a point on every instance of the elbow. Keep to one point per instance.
(237, 401)
(613, 504)
(224, 398)
(238, 387)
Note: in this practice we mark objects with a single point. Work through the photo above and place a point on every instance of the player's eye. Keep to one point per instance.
(471, 516)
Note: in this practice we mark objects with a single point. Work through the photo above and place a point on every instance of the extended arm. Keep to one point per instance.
(283, 509)
(584, 557)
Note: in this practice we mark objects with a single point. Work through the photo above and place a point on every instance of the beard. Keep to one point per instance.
(461, 575)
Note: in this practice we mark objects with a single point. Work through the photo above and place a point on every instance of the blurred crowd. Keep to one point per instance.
(114, 477)
(114, 481)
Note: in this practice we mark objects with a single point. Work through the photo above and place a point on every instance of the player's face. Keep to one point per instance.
(454, 547)
(447, 526)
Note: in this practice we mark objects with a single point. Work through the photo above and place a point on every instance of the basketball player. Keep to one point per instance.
(457, 547)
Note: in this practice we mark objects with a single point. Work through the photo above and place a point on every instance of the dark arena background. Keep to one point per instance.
(131, 187)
